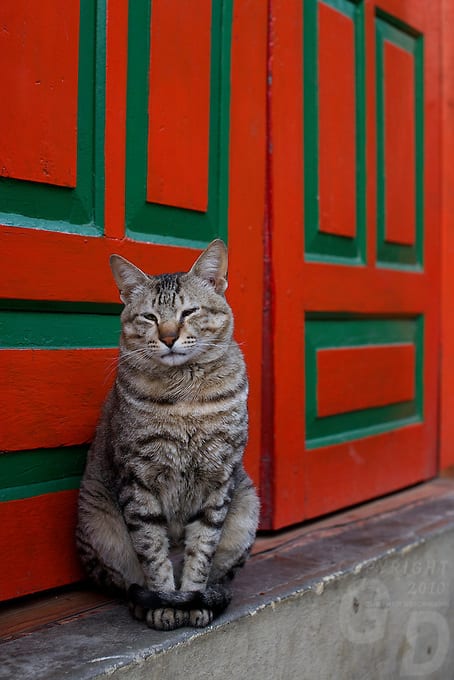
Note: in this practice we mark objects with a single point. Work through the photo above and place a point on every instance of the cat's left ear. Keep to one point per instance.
(211, 266)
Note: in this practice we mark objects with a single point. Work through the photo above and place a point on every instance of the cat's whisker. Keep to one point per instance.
(111, 368)
(131, 354)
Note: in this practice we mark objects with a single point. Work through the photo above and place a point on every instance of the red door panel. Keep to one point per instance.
(356, 313)
(42, 92)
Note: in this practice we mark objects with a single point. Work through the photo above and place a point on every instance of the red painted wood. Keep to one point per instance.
(38, 79)
(286, 143)
(40, 265)
(310, 482)
(447, 249)
(409, 12)
(384, 291)
(179, 103)
(400, 189)
(37, 544)
(384, 461)
(337, 147)
(52, 398)
(246, 202)
(355, 378)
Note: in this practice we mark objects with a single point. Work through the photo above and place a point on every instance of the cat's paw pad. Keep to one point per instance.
(199, 618)
(166, 618)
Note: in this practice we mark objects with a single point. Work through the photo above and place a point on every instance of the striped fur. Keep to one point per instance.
(165, 468)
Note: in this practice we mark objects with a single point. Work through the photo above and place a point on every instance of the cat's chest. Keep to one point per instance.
(182, 484)
(172, 463)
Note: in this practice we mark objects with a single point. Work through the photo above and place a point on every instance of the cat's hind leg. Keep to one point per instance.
(103, 542)
(238, 533)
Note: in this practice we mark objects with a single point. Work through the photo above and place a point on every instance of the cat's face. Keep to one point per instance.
(174, 319)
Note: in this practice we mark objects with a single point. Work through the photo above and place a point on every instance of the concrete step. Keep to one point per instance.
(364, 594)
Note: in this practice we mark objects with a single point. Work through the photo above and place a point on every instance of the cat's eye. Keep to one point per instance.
(150, 317)
(188, 312)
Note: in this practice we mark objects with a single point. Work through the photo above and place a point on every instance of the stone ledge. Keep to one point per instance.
(365, 594)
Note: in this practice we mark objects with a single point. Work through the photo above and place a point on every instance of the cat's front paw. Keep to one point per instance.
(167, 610)
(167, 618)
(199, 618)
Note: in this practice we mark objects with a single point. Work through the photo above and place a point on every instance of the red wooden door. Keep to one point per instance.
(136, 127)
(128, 127)
(355, 176)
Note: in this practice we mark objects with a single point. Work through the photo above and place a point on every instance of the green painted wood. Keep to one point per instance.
(55, 208)
(62, 306)
(39, 328)
(394, 254)
(24, 474)
(331, 331)
(319, 246)
(168, 224)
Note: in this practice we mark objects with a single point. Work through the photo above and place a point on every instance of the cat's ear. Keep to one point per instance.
(211, 266)
(127, 276)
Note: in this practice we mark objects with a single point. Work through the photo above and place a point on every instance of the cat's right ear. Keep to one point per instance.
(127, 276)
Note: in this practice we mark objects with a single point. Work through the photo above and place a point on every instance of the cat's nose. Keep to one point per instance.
(168, 333)
(169, 340)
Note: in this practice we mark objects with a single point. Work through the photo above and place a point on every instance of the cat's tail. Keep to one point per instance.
(216, 597)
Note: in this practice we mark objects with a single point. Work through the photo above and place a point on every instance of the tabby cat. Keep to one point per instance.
(165, 467)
